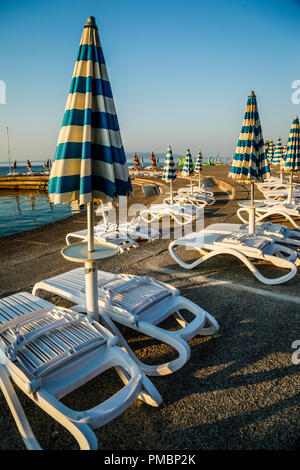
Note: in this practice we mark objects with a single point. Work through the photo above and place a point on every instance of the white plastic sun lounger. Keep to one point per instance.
(242, 246)
(280, 194)
(194, 199)
(273, 208)
(278, 233)
(48, 352)
(139, 303)
(182, 214)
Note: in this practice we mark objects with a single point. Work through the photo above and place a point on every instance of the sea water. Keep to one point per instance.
(24, 210)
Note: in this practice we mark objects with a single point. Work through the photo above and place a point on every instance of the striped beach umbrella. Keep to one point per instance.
(270, 152)
(278, 158)
(90, 160)
(249, 162)
(292, 160)
(188, 167)
(198, 166)
(153, 160)
(169, 171)
(278, 153)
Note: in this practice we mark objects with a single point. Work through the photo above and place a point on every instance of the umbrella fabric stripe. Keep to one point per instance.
(98, 136)
(292, 160)
(249, 161)
(89, 52)
(96, 86)
(86, 149)
(87, 68)
(78, 117)
(97, 103)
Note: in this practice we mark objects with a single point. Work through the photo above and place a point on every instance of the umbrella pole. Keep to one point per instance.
(199, 179)
(91, 269)
(290, 195)
(191, 185)
(252, 212)
(171, 193)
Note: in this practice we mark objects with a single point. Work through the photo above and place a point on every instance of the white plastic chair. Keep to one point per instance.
(48, 352)
(241, 246)
(139, 303)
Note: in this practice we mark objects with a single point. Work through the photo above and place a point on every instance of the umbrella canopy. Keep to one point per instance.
(278, 153)
(169, 170)
(292, 160)
(188, 167)
(249, 161)
(90, 160)
(136, 160)
(270, 152)
(153, 160)
(198, 164)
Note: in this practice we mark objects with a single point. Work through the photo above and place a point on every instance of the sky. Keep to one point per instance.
(180, 71)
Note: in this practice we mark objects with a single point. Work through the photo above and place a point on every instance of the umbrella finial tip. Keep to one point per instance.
(90, 21)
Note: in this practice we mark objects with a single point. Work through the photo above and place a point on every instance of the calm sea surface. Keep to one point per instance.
(24, 210)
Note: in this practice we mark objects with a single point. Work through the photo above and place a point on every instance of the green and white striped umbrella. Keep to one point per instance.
(198, 164)
(90, 160)
(270, 152)
(292, 160)
(249, 161)
(278, 153)
(169, 171)
(188, 166)
(198, 167)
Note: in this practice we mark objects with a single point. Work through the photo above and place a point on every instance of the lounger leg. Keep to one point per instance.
(17, 411)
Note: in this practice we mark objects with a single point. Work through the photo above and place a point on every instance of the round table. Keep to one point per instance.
(78, 253)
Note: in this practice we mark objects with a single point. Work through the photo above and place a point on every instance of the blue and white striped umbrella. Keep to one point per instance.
(249, 161)
(278, 153)
(198, 164)
(90, 161)
(292, 160)
(188, 166)
(270, 152)
(169, 170)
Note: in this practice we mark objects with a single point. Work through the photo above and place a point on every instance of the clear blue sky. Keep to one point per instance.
(180, 71)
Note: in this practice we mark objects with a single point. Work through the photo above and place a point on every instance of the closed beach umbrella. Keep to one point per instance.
(136, 160)
(278, 156)
(198, 166)
(153, 160)
(278, 153)
(28, 165)
(169, 171)
(292, 160)
(89, 161)
(270, 152)
(188, 167)
(249, 162)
